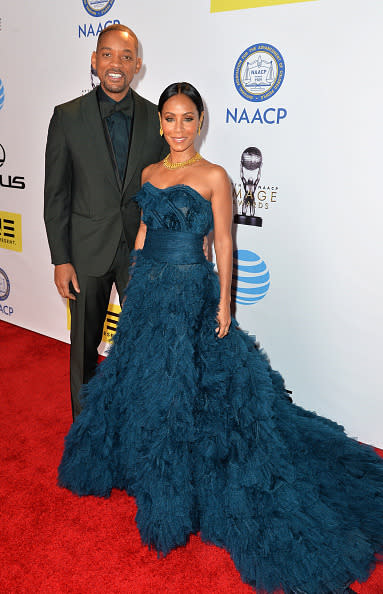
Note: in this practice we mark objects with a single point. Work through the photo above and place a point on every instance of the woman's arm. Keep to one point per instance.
(221, 202)
(140, 238)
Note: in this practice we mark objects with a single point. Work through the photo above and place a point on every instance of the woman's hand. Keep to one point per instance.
(223, 319)
(221, 202)
(140, 239)
(205, 247)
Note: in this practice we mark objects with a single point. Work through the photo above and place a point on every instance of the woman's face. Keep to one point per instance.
(180, 120)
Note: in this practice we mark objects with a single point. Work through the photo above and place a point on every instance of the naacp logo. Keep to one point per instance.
(97, 8)
(251, 277)
(2, 95)
(259, 72)
(5, 286)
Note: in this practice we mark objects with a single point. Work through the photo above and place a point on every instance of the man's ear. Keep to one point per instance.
(138, 65)
(93, 61)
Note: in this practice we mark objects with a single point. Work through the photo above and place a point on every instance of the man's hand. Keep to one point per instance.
(65, 274)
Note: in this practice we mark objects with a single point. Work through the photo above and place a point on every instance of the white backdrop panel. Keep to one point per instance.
(321, 319)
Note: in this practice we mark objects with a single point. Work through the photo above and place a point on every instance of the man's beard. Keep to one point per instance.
(115, 87)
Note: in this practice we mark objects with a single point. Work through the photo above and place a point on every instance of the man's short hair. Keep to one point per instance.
(117, 27)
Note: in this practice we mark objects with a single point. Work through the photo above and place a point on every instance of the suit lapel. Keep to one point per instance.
(138, 137)
(92, 118)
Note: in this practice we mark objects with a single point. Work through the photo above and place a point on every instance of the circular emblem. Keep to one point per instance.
(97, 8)
(5, 285)
(251, 158)
(259, 72)
(2, 95)
(251, 277)
(2, 155)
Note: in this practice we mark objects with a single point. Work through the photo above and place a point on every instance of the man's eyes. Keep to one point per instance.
(125, 58)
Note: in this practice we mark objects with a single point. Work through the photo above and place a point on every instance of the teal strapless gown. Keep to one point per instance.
(201, 432)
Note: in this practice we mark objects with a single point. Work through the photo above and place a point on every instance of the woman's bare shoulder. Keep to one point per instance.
(149, 171)
(215, 172)
(216, 175)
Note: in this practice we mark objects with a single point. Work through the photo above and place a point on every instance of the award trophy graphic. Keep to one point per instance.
(251, 165)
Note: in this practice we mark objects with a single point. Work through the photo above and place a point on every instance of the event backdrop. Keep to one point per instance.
(292, 113)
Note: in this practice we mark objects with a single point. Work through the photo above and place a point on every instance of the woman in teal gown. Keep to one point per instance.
(187, 415)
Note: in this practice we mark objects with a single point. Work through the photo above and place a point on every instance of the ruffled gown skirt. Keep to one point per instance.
(202, 433)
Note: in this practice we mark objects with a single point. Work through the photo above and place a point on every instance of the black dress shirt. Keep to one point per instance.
(118, 117)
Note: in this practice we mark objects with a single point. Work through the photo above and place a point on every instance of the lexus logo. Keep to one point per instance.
(15, 182)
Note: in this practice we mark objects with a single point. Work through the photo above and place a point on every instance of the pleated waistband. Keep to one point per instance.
(174, 247)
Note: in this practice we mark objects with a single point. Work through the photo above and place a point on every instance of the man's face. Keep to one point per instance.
(116, 63)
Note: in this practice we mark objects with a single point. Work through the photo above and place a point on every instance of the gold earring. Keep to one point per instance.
(199, 127)
(161, 130)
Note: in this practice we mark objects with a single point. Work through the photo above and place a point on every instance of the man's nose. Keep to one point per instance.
(115, 61)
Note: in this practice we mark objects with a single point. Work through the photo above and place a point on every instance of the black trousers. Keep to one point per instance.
(87, 320)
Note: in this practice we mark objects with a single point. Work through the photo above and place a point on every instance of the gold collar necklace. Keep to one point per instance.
(169, 165)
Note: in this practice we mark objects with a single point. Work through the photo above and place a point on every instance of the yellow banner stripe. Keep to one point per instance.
(10, 231)
(110, 323)
(221, 5)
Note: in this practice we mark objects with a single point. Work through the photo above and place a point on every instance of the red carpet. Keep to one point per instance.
(52, 541)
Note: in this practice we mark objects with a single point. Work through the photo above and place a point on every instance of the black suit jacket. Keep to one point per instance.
(85, 208)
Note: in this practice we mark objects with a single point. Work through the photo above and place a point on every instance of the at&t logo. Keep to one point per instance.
(251, 277)
(2, 95)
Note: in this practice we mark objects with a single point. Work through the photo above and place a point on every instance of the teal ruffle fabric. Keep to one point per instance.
(201, 432)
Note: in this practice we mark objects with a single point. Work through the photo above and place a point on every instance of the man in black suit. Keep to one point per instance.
(97, 146)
